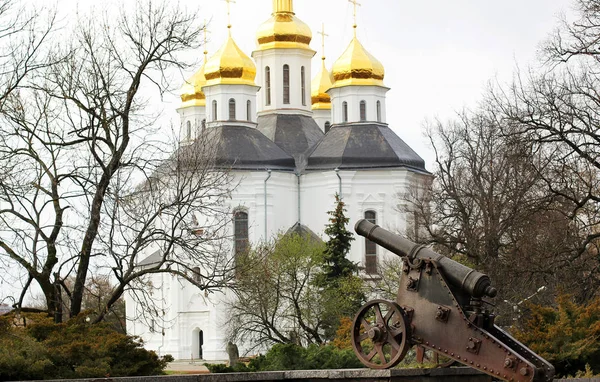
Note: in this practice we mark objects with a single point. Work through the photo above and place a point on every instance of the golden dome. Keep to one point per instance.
(229, 65)
(319, 86)
(191, 91)
(283, 29)
(357, 67)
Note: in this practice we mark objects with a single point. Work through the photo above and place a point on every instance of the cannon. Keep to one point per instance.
(441, 306)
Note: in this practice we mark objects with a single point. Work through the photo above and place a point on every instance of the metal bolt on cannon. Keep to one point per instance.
(439, 307)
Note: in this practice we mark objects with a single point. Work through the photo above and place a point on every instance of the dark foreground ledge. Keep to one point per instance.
(458, 374)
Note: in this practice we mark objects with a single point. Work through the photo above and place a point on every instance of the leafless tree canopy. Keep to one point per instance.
(276, 299)
(516, 180)
(87, 189)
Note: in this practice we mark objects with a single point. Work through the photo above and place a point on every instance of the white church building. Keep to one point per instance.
(292, 144)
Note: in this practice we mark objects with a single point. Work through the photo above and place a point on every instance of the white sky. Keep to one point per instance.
(438, 54)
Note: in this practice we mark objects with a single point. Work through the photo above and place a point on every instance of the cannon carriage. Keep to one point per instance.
(440, 306)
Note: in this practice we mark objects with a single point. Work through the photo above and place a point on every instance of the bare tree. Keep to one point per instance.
(489, 205)
(24, 33)
(558, 109)
(276, 298)
(87, 191)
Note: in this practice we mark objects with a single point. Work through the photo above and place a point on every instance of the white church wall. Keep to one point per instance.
(376, 190)
(281, 201)
(322, 116)
(275, 59)
(191, 118)
(352, 95)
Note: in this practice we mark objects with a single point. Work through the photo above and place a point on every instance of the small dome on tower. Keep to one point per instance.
(283, 29)
(319, 86)
(356, 66)
(191, 91)
(230, 65)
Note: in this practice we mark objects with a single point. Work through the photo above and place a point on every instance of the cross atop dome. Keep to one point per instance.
(323, 35)
(356, 4)
(229, 13)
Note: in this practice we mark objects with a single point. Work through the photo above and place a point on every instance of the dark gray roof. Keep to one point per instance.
(154, 258)
(363, 146)
(246, 148)
(303, 230)
(295, 134)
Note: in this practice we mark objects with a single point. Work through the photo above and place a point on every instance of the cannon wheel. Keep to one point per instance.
(380, 334)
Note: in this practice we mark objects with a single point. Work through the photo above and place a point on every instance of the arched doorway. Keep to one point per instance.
(197, 343)
(200, 343)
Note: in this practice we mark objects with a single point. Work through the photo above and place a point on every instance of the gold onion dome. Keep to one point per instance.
(229, 65)
(356, 66)
(283, 29)
(191, 91)
(319, 86)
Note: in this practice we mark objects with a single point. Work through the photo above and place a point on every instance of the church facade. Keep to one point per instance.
(291, 143)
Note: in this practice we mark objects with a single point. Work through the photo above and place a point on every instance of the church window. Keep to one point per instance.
(231, 109)
(214, 110)
(327, 126)
(345, 111)
(196, 274)
(363, 111)
(286, 84)
(303, 85)
(268, 85)
(378, 111)
(248, 110)
(370, 247)
(188, 131)
(240, 232)
(203, 124)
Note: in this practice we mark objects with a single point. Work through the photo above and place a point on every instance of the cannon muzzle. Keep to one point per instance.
(469, 280)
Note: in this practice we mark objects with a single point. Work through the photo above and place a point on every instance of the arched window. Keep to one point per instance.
(286, 84)
(196, 274)
(203, 124)
(378, 111)
(267, 86)
(240, 233)
(188, 131)
(363, 111)
(231, 109)
(248, 110)
(303, 85)
(214, 110)
(370, 247)
(345, 111)
(327, 126)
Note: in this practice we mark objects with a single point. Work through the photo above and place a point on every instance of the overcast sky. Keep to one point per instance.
(438, 54)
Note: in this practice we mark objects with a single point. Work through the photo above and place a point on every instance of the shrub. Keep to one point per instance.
(567, 335)
(75, 349)
(294, 357)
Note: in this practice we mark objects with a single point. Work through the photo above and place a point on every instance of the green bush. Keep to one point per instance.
(75, 349)
(567, 335)
(294, 357)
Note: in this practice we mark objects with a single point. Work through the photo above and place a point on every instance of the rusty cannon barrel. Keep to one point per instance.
(469, 280)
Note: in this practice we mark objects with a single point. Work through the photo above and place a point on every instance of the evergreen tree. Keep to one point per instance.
(336, 265)
(342, 291)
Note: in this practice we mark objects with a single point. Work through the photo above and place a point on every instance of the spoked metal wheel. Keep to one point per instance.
(380, 334)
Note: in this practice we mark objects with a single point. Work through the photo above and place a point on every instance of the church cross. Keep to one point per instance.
(323, 35)
(205, 29)
(229, 13)
(356, 4)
